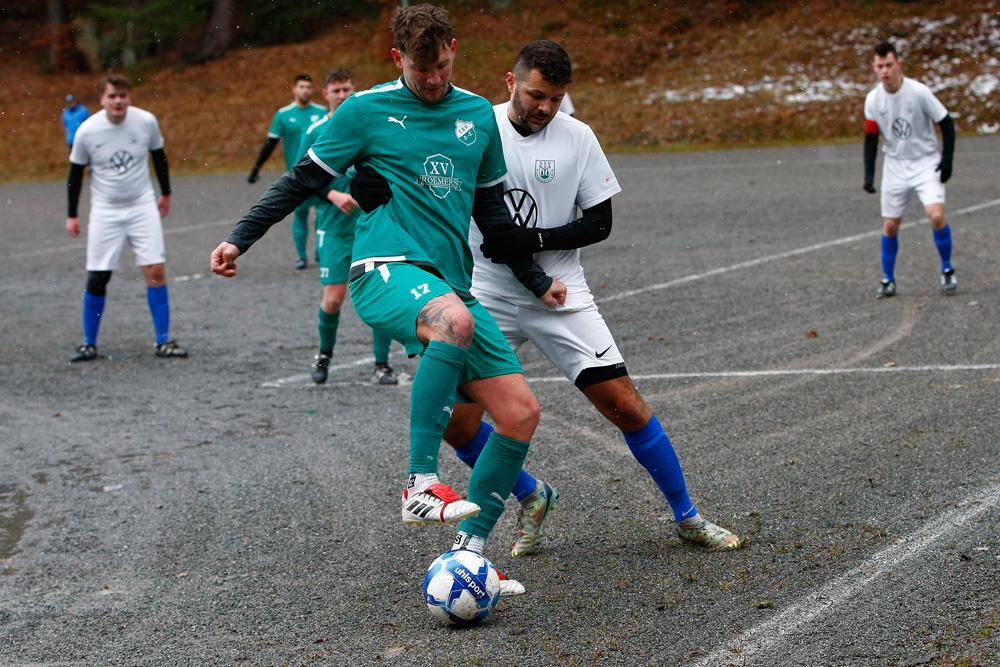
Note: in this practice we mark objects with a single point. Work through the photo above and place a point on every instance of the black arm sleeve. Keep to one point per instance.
(489, 212)
(948, 138)
(73, 186)
(593, 227)
(266, 151)
(162, 170)
(278, 201)
(871, 151)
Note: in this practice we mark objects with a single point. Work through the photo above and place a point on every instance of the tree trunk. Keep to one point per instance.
(59, 29)
(220, 31)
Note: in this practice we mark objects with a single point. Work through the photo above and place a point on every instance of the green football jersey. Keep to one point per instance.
(434, 157)
(329, 218)
(290, 123)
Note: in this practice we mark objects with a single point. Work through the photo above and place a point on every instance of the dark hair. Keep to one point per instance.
(116, 80)
(885, 48)
(337, 74)
(302, 77)
(420, 32)
(549, 58)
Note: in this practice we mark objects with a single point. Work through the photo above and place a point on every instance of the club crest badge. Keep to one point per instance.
(465, 130)
(545, 170)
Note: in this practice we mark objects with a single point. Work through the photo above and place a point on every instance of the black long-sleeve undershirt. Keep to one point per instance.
(266, 151)
(871, 152)
(489, 212)
(283, 197)
(592, 227)
(74, 184)
(947, 126)
(162, 170)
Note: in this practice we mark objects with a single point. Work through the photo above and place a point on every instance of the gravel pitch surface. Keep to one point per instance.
(224, 510)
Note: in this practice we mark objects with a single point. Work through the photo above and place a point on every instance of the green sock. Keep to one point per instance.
(328, 323)
(492, 479)
(432, 397)
(380, 346)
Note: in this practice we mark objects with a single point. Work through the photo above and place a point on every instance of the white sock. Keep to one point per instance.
(469, 542)
(420, 481)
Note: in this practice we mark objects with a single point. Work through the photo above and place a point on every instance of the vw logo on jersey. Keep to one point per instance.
(522, 207)
(901, 128)
(465, 130)
(439, 176)
(121, 161)
(545, 170)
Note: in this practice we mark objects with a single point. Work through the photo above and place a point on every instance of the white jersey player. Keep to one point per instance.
(904, 112)
(116, 143)
(554, 165)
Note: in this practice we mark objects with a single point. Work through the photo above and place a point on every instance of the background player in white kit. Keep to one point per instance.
(117, 143)
(555, 163)
(904, 112)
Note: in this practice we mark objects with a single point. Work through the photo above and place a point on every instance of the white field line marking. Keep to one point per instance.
(784, 255)
(299, 378)
(82, 246)
(764, 637)
(793, 371)
(714, 272)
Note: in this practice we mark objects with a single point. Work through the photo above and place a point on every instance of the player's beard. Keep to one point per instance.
(523, 117)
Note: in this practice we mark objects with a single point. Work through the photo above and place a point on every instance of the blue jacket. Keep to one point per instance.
(72, 119)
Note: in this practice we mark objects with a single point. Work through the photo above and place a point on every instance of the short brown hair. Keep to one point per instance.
(420, 32)
(116, 80)
(337, 74)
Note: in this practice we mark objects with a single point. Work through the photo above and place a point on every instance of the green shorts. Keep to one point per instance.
(334, 254)
(334, 243)
(389, 298)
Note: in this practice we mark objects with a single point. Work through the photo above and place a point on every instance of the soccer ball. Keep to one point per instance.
(461, 587)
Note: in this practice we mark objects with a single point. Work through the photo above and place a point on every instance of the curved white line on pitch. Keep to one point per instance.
(783, 255)
(82, 246)
(793, 371)
(764, 637)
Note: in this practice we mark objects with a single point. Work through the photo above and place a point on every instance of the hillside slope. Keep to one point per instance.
(646, 78)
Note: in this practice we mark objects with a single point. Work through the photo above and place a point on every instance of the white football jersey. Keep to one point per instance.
(549, 174)
(118, 155)
(906, 119)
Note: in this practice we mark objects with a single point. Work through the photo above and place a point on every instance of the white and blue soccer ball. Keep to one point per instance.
(461, 587)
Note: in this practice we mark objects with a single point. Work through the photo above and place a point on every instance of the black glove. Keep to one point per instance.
(945, 169)
(869, 187)
(252, 178)
(511, 241)
(370, 189)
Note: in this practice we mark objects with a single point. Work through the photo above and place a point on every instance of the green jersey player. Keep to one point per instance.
(439, 148)
(290, 123)
(336, 215)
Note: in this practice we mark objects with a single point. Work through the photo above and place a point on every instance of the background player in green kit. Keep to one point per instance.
(290, 123)
(336, 216)
(439, 148)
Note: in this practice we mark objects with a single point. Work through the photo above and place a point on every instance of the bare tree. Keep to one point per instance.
(219, 36)
(59, 33)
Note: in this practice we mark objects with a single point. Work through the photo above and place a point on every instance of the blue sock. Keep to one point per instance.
(942, 239)
(93, 308)
(651, 447)
(469, 454)
(159, 307)
(890, 246)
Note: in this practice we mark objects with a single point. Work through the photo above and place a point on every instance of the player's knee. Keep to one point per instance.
(937, 220)
(332, 304)
(456, 326)
(97, 282)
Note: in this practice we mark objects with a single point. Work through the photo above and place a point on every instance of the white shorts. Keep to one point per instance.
(573, 340)
(111, 225)
(901, 177)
